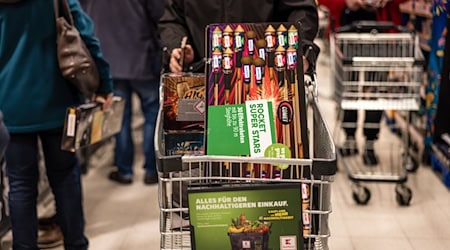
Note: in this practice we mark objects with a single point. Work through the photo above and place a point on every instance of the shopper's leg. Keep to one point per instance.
(148, 92)
(349, 123)
(124, 151)
(63, 174)
(371, 129)
(372, 120)
(23, 174)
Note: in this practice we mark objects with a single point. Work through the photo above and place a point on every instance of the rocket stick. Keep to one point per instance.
(259, 80)
(269, 36)
(251, 35)
(227, 68)
(238, 48)
(280, 64)
(291, 55)
(216, 64)
(247, 79)
(282, 36)
(227, 60)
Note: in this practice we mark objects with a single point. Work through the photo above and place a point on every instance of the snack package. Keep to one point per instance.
(184, 101)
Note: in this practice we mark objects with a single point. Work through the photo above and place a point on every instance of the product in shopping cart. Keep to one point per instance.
(246, 217)
(202, 174)
(249, 62)
(184, 101)
(184, 142)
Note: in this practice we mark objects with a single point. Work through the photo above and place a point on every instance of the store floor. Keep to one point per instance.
(127, 217)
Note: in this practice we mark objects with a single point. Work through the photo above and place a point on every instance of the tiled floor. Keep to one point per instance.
(127, 217)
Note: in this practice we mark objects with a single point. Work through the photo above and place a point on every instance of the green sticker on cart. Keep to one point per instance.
(278, 150)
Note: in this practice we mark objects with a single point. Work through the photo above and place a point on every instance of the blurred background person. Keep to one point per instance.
(345, 12)
(131, 44)
(190, 18)
(34, 97)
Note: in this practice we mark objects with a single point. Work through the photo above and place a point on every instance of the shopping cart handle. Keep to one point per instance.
(370, 27)
(167, 164)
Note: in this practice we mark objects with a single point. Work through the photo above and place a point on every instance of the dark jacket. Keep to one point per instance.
(33, 94)
(128, 32)
(190, 17)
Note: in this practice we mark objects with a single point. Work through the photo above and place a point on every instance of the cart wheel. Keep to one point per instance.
(403, 195)
(411, 164)
(361, 194)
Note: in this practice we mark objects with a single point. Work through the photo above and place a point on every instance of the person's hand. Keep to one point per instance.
(175, 56)
(105, 99)
(305, 64)
(354, 4)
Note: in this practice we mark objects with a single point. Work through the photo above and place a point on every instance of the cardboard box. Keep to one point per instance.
(184, 142)
(184, 101)
(87, 124)
(259, 61)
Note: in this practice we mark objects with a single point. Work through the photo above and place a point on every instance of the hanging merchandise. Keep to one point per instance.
(440, 152)
(439, 10)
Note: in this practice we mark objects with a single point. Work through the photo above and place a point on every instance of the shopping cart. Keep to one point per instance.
(178, 173)
(376, 69)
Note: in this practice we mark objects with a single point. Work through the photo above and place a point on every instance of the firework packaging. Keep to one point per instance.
(184, 142)
(88, 123)
(256, 61)
(184, 101)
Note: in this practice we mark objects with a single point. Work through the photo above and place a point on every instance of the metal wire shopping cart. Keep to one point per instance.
(177, 173)
(376, 69)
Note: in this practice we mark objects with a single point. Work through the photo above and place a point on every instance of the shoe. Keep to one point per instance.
(369, 156)
(119, 178)
(349, 147)
(150, 179)
(51, 237)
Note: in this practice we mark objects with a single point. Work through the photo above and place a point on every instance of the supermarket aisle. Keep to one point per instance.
(127, 217)
(383, 224)
(120, 218)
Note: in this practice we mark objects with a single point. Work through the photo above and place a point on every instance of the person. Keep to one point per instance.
(4, 138)
(130, 42)
(189, 18)
(34, 98)
(345, 12)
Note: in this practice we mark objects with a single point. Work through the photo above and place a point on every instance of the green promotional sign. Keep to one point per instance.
(241, 129)
(254, 218)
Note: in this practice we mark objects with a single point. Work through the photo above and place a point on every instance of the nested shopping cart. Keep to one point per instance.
(377, 66)
(177, 173)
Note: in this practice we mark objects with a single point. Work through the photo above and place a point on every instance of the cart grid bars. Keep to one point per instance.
(174, 211)
(377, 71)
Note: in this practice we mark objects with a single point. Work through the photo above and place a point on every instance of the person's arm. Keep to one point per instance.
(86, 28)
(172, 26)
(305, 12)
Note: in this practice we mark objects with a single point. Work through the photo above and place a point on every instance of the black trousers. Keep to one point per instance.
(371, 123)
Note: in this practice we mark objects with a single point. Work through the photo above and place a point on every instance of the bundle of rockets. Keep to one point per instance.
(247, 67)
(240, 62)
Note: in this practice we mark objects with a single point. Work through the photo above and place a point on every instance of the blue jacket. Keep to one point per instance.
(128, 31)
(33, 94)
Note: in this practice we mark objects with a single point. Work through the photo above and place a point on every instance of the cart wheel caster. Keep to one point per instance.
(361, 194)
(403, 195)
(411, 165)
